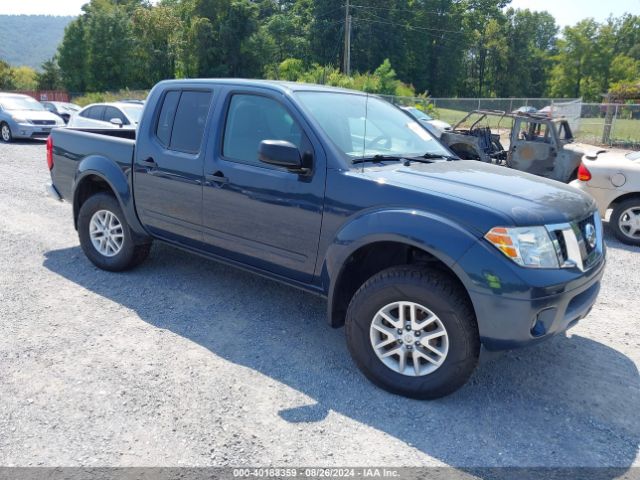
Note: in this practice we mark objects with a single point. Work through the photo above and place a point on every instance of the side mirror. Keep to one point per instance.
(116, 121)
(282, 154)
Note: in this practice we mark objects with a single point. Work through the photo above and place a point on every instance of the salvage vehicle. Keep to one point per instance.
(22, 116)
(421, 256)
(613, 179)
(537, 144)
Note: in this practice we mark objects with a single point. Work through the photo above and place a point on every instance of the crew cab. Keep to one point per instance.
(422, 257)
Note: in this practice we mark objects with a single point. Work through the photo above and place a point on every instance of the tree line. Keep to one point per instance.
(466, 48)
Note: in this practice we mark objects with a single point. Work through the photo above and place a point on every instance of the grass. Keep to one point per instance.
(624, 131)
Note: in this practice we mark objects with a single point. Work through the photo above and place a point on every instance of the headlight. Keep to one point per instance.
(527, 246)
(19, 119)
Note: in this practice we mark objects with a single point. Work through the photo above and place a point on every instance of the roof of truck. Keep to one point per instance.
(278, 85)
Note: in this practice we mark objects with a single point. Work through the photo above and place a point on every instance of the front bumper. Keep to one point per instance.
(516, 306)
(28, 130)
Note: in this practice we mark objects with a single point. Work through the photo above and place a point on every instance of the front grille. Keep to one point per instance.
(578, 244)
(43, 122)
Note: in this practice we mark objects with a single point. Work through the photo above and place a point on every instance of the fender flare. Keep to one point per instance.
(118, 181)
(442, 238)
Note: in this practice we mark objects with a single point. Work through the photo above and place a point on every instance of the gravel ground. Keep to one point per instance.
(186, 362)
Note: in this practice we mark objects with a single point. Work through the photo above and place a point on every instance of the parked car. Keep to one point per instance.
(537, 144)
(435, 127)
(613, 178)
(62, 109)
(21, 116)
(108, 115)
(423, 257)
(525, 109)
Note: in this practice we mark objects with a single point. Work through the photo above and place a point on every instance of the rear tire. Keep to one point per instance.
(5, 133)
(622, 221)
(434, 293)
(116, 253)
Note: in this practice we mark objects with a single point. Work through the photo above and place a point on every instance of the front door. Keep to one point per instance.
(168, 167)
(259, 214)
(532, 147)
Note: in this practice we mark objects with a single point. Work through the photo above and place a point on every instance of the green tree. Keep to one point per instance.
(50, 78)
(155, 31)
(6, 76)
(72, 57)
(25, 78)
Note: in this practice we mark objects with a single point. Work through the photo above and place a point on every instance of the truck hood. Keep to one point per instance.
(523, 198)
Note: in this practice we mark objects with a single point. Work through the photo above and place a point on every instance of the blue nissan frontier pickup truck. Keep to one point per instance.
(422, 257)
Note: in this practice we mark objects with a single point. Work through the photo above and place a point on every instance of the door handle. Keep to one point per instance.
(149, 163)
(217, 177)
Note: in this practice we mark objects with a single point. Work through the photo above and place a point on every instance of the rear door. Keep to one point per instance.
(168, 166)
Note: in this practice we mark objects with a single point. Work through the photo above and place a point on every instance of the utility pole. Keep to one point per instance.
(347, 40)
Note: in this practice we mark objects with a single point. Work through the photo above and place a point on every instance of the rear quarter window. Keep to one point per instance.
(182, 118)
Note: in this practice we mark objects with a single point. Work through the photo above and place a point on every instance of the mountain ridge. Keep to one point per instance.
(30, 39)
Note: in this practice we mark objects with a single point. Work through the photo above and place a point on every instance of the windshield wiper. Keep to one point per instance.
(438, 155)
(379, 158)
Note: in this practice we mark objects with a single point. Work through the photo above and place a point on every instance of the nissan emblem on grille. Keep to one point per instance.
(590, 235)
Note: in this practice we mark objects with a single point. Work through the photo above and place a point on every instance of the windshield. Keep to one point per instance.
(633, 156)
(363, 126)
(134, 112)
(20, 103)
(70, 107)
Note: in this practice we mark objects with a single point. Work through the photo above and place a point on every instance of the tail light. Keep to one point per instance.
(50, 152)
(584, 174)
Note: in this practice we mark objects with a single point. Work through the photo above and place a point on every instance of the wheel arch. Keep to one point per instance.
(97, 174)
(623, 198)
(393, 238)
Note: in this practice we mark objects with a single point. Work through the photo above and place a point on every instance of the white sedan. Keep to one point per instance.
(108, 115)
(613, 179)
(434, 126)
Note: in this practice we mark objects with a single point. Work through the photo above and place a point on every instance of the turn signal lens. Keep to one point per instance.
(584, 175)
(526, 246)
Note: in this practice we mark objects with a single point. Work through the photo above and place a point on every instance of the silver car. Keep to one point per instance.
(108, 115)
(21, 116)
(434, 126)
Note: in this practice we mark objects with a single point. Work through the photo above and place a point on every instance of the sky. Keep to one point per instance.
(570, 12)
(566, 12)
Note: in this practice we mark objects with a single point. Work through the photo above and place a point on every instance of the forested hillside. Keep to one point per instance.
(444, 47)
(30, 39)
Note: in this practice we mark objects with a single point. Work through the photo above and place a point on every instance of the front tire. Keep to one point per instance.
(105, 236)
(412, 331)
(5, 133)
(625, 221)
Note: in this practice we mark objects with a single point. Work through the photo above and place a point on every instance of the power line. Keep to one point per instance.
(407, 10)
(412, 27)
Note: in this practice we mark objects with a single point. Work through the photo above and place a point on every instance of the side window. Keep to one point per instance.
(165, 120)
(95, 113)
(190, 118)
(112, 112)
(252, 119)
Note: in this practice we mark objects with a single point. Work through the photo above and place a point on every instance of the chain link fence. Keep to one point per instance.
(616, 125)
